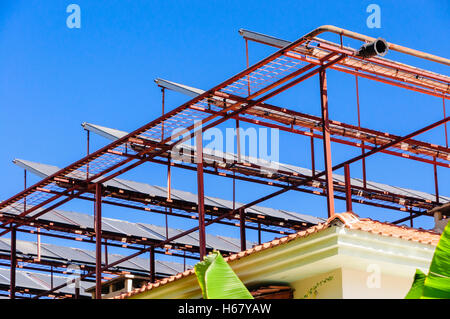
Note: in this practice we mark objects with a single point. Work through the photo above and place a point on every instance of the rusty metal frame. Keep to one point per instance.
(257, 81)
(257, 201)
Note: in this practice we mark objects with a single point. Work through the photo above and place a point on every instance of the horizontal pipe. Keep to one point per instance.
(440, 91)
(361, 37)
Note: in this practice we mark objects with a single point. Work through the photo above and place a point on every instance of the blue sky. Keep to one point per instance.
(54, 78)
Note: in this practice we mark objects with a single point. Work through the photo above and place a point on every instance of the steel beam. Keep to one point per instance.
(50, 179)
(359, 127)
(67, 193)
(410, 217)
(293, 118)
(12, 276)
(259, 234)
(326, 142)
(445, 126)
(200, 195)
(338, 166)
(152, 264)
(436, 185)
(234, 110)
(77, 292)
(163, 95)
(98, 241)
(348, 189)
(87, 151)
(313, 161)
(381, 63)
(242, 229)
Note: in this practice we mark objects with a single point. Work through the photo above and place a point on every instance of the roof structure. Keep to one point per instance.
(346, 134)
(126, 233)
(31, 283)
(63, 256)
(347, 220)
(241, 98)
(190, 199)
(372, 192)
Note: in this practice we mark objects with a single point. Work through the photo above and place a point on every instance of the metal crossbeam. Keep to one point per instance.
(242, 98)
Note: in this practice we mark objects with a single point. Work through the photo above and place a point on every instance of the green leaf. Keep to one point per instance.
(437, 283)
(218, 281)
(417, 286)
(200, 270)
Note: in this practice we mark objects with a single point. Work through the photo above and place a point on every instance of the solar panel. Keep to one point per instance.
(177, 194)
(23, 280)
(41, 282)
(66, 255)
(308, 172)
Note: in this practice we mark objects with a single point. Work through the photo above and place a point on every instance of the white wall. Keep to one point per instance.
(371, 284)
(348, 283)
(329, 290)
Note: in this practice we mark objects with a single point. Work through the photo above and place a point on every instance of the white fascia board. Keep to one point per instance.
(333, 248)
(287, 260)
(375, 248)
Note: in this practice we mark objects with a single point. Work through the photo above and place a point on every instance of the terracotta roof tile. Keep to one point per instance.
(403, 232)
(348, 219)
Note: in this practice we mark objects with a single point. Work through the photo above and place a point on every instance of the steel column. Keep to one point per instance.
(51, 277)
(25, 187)
(234, 190)
(152, 264)
(201, 198)
(87, 151)
(242, 229)
(163, 95)
(445, 125)
(98, 241)
(38, 243)
(106, 251)
(169, 196)
(259, 233)
(12, 276)
(169, 180)
(313, 161)
(359, 127)
(238, 141)
(436, 185)
(348, 189)
(326, 142)
(246, 56)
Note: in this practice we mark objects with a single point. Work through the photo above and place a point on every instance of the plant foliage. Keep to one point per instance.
(218, 281)
(437, 283)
